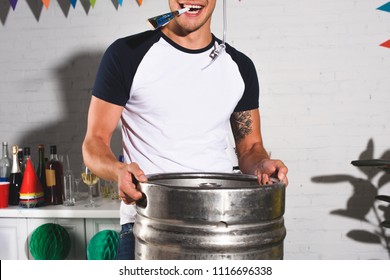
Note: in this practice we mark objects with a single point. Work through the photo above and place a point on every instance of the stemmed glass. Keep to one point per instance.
(90, 179)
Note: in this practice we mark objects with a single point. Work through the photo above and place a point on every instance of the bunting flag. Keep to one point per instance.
(73, 2)
(46, 3)
(385, 44)
(385, 7)
(13, 3)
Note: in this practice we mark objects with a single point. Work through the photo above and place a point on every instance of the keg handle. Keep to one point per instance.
(142, 202)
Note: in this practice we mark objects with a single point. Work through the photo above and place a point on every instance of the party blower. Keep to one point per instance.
(161, 20)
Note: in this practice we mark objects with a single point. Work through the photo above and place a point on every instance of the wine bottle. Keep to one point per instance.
(41, 168)
(26, 155)
(15, 178)
(54, 178)
(5, 164)
(20, 159)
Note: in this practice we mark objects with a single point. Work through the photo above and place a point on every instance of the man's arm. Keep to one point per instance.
(252, 156)
(103, 118)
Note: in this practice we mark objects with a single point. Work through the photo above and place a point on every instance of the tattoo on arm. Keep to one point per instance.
(241, 123)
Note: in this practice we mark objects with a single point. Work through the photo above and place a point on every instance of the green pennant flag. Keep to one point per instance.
(93, 2)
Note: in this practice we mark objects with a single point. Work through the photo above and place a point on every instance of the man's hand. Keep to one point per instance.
(269, 171)
(127, 186)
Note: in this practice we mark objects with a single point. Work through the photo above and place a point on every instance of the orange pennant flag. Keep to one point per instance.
(46, 3)
(139, 2)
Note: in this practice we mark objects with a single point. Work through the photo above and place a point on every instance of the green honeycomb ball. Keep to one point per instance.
(50, 242)
(103, 245)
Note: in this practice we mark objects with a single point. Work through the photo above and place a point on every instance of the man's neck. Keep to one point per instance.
(195, 40)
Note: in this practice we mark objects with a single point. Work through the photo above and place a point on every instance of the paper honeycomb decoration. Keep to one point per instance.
(103, 245)
(50, 242)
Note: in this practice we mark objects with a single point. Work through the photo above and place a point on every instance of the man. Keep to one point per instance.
(176, 109)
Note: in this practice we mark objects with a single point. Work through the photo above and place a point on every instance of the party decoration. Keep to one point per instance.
(385, 7)
(103, 245)
(120, 2)
(93, 2)
(46, 3)
(31, 192)
(50, 242)
(386, 44)
(13, 3)
(139, 2)
(73, 2)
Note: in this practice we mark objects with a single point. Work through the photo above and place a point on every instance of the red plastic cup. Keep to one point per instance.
(4, 193)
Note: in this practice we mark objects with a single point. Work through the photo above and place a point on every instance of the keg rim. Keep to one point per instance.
(154, 179)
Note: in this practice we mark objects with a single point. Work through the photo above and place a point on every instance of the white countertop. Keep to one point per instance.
(107, 208)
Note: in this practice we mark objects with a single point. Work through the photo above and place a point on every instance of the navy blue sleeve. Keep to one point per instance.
(250, 98)
(119, 66)
(111, 83)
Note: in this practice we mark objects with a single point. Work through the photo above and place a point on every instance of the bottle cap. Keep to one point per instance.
(15, 149)
(53, 149)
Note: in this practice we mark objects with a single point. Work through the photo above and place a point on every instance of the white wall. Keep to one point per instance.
(325, 92)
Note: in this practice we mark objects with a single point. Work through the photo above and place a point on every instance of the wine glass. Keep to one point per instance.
(90, 179)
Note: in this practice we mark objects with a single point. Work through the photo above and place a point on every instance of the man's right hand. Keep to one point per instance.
(127, 186)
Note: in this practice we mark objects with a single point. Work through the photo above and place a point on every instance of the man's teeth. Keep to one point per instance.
(193, 8)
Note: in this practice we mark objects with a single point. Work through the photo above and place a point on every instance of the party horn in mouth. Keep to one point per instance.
(161, 20)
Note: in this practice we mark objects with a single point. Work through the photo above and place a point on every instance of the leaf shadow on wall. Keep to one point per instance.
(75, 77)
(362, 201)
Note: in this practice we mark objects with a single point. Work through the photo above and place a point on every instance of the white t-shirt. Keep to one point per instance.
(176, 115)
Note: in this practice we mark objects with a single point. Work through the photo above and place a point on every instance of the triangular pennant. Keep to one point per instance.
(385, 7)
(93, 2)
(13, 3)
(386, 44)
(46, 3)
(120, 2)
(73, 2)
(139, 2)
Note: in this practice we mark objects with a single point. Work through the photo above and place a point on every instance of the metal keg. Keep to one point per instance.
(209, 216)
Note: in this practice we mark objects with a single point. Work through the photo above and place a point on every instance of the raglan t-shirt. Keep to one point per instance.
(177, 106)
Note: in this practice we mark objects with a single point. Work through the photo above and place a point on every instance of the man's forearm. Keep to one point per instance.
(249, 160)
(100, 159)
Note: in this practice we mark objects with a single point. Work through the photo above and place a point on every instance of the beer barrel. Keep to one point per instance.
(209, 216)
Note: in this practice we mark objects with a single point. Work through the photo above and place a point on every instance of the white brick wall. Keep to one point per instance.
(325, 91)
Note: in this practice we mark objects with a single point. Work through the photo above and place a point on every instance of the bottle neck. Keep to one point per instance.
(41, 156)
(5, 151)
(53, 157)
(15, 164)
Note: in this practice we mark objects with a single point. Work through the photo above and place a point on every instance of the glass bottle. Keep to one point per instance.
(54, 178)
(26, 155)
(5, 164)
(20, 159)
(15, 178)
(69, 186)
(41, 168)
